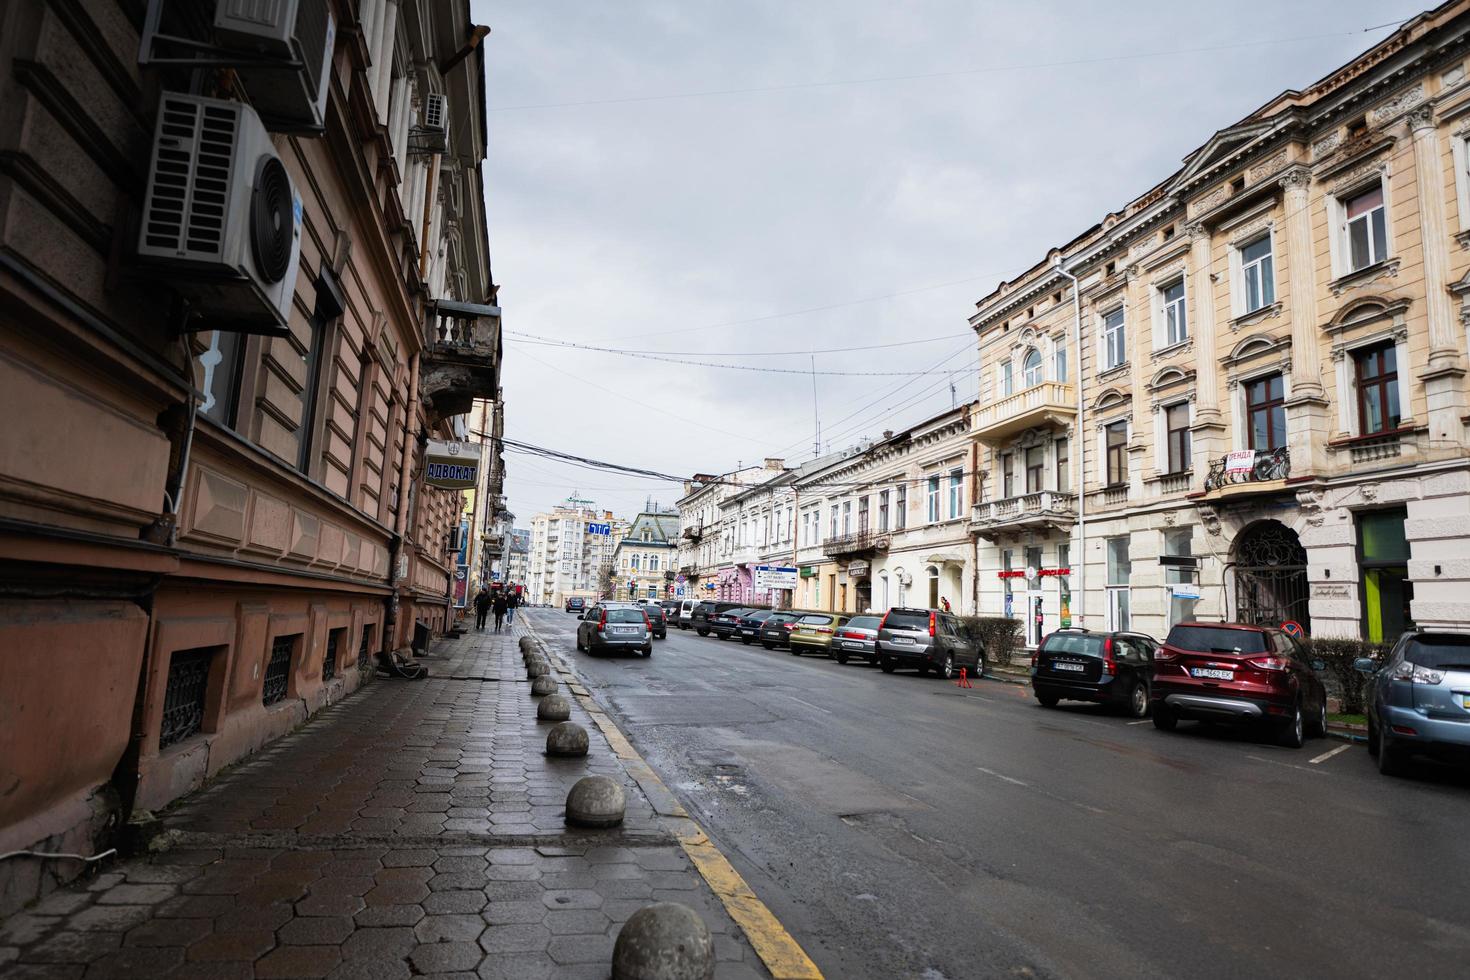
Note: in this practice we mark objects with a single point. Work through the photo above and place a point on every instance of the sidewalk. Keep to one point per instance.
(415, 829)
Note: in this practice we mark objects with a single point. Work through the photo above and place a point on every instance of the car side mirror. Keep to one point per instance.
(1365, 665)
(1319, 665)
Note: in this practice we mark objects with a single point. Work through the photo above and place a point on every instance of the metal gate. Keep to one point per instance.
(1270, 571)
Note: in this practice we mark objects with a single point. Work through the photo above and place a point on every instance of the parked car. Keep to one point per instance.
(929, 639)
(685, 617)
(727, 623)
(702, 619)
(1419, 700)
(614, 627)
(1104, 668)
(813, 633)
(1238, 673)
(658, 623)
(576, 604)
(671, 609)
(749, 626)
(858, 637)
(776, 630)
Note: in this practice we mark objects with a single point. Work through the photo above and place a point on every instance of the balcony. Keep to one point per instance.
(461, 358)
(852, 545)
(693, 532)
(1048, 403)
(1247, 470)
(1030, 513)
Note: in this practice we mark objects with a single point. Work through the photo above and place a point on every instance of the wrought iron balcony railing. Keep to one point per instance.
(856, 543)
(462, 354)
(1237, 468)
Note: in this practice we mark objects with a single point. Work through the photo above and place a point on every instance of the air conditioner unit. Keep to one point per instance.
(433, 134)
(299, 34)
(221, 218)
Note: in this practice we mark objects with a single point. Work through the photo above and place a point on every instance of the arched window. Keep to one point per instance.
(933, 587)
(1031, 368)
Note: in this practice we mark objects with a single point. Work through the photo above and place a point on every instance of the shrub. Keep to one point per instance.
(1341, 678)
(1000, 636)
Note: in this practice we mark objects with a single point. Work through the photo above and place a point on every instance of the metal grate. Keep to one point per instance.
(278, 671)
(183, 697)
(329, 659)
(364, 652)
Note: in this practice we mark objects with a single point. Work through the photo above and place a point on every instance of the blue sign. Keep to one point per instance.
(603, 529)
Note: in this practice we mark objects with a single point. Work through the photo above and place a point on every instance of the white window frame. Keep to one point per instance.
(956, 492)
(1059, 361)
(931, 497)
(1007, 378)
(1029, 378)
(1162, 308)
(1239, 303)
(1340, 248)
(1104, 349)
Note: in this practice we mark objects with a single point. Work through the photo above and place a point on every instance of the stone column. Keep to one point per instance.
(1306, 407)
(1434, 236)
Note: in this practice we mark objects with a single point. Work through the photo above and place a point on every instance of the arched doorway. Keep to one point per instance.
(863, 594)
(1270, 572)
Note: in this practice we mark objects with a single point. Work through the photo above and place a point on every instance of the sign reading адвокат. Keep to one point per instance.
(452, 465)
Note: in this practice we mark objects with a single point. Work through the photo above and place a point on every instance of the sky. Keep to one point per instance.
(724, 179)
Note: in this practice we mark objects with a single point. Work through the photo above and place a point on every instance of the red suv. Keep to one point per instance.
(1240, 674)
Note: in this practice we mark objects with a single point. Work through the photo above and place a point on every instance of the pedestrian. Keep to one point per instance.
(482, 607)
(944, 603)
(499, 610)
(512, 602)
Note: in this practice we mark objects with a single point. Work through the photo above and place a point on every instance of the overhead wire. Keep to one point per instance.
(538, 340)
(805, 372)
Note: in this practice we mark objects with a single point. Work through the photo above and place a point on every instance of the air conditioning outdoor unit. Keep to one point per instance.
(290, 31)
(221, 218)
(434, 133)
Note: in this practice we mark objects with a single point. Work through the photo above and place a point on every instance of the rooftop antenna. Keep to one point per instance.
(953, 397)
(816, 415)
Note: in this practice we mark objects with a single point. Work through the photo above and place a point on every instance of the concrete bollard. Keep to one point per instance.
(596, 801)
(664, 941)
(567, 739)
(554, 707)
(537, 668)
(543, 685)
(527, 644)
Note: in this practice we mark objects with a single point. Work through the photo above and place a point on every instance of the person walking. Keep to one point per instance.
(512, 602)
(482, 607)
(499, 607)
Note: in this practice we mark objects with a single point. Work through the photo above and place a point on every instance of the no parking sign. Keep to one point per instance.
(1292, 628)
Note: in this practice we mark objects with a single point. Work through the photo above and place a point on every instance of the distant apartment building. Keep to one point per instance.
(568, 547)
(517, 560)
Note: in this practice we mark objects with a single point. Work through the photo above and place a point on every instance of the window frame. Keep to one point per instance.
(1032, 373)
(1387, 383)
(1007, 475)
(1062, 464)
(1178, 307)
(1266, 273)
(901, 507)
(1372, 240)
(1182, 460)
(1106, 335)
(931, 498)
(1115, 453)
(1035, 474)
(956, 492)
(1269, 404)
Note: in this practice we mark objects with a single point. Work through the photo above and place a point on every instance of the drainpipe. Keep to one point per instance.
(1081, 444)
(400, 519)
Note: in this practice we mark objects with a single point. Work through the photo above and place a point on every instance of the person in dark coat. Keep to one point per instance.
(512, 602)
(482, 608)
(500, 608)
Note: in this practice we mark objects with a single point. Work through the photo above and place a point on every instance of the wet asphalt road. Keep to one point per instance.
(902, 827)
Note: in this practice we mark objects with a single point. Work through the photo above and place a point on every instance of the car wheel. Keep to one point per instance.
(1138, 700)
(946, 670)
(1048, 700)
(702, 632)
(980, 666)
(1372, 738)
(1392, 760)
(1165, 720)
(745, 641)
(1294, 732)
(768, 646)
(1318, 727)
(840, 658)
(886, 665)
(648, 650)
(794, 651)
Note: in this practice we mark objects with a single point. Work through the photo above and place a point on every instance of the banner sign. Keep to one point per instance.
(452, 465)
(769, 577)
(1240, 461)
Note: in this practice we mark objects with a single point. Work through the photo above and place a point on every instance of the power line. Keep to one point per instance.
(753, 368)
(538, 340)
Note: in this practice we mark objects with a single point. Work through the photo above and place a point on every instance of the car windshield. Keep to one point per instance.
(1080, 643)
(863, 623)
(907, 619)
(776, 618)
(624, 615)
(760, 614)
(1439, 651)
(1216, 639)
(654, 612)
(816, 621)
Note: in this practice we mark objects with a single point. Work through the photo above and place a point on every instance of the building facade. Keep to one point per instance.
(707, 529)
(517, 561)
(566, 555)
(213, 517)
(645, 557)
(1257, 373)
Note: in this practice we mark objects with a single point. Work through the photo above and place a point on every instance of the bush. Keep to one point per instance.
(999, 635)
(1342, 680)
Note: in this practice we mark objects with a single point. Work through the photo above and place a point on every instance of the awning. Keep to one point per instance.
(945, 559)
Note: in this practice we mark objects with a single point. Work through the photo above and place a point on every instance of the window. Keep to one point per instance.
(1007, 378)
(314, 367)
(883, 511)
(863, 525)
(1007, 475)
(1176, 325)
(1115, 346)
(1007, 557)
(1176, 431)
(1116, 444)
(847, 517)
(633, 562)
(1120, 570)
(834, 522)
(956, 492)
(1258, 278)
(1035, 468)
(933, 498)
(1178, 543)
(220, 381)
(1385, 588)
(1367, 230)
(1064, 466)
(1061, 362)
(1031, 368)
(901, 507)
(653, 563)
(1265, 409)
(1378, 389)
(933, 587)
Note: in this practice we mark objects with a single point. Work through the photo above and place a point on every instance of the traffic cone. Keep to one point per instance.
(964, 680)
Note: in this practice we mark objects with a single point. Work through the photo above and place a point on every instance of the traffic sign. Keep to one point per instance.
(1292, 628)
(602, 529)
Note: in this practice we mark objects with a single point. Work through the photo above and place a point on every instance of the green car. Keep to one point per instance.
(814, 633)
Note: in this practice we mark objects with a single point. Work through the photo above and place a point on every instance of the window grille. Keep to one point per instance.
(184, 695)
(329, 659)
(278, 671)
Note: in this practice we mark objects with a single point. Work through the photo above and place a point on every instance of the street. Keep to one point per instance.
(903, 827)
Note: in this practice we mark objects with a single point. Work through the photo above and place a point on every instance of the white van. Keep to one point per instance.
(686, 613)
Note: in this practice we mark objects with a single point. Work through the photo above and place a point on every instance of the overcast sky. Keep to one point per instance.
(628, 210)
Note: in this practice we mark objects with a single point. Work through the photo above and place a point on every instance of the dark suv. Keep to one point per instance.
(777, 628)
(702, 619)
(1238, 673)
(929, 640)
(1104, 668)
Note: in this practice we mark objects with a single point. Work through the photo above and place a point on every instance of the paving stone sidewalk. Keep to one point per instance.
(415, 829)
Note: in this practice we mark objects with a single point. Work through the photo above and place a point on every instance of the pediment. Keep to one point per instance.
(1108, 398)
(1219, 147)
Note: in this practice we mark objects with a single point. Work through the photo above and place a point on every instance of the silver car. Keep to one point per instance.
(1419, 700)
(614, 626)
(858, 637)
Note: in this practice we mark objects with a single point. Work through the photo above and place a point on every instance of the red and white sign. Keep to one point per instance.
(1240, 461)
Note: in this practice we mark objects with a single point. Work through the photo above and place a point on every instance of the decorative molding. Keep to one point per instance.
(1349, 180)
(1256, 345)
(1209, 201)
(1364, 277)
(1168, 376)
(1266, 167)
(1403, 101)
(1326, 145)
(1242, 234)
(1452, 75)
(1309, 499)
(1420, 118)
(1297, 178)
(1256, 316)
(1365, 311)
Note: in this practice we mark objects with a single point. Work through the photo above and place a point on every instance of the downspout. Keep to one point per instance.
(1081, 445)
(400, 518)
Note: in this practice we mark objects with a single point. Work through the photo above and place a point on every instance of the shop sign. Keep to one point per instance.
(1015, 574)
(452, 465)
(1186, 591)
(858, 569)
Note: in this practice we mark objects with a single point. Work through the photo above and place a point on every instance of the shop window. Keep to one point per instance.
(1386, 592)
(185, 695)
(1120, 571)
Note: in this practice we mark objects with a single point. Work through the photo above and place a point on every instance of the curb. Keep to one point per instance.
(777, 948)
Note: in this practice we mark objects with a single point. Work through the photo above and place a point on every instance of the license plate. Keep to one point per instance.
(1212, 673)
(851, 645)
(1064, 666)
(903, 639)
(625, 630)
(748, 632)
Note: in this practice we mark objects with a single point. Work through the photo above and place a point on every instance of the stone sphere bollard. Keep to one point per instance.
(543, 685)
(537, 668)
(596, 801)
(567, 739)
(664, 941)
(527, 644)
(554, 707)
